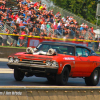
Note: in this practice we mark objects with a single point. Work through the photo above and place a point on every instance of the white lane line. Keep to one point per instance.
(6, 70)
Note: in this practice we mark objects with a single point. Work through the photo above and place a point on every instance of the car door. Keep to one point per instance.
(82, 62)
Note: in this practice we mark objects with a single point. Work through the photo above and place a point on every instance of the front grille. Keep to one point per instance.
(40, 62)
(32, 69)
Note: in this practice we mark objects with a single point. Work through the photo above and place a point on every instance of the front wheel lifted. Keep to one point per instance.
(63, 77)
(18, 75)
(93, 79)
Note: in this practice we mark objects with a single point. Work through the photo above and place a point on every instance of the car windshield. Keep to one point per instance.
(61, 49)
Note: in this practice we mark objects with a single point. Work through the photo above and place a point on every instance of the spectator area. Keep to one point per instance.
(36, 20)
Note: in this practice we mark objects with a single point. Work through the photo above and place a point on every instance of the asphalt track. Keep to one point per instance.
(7, 78)
(38, 88)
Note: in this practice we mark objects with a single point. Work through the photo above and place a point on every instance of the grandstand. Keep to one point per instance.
(43, 19)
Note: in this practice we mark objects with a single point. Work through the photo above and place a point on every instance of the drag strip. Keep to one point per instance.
(6, 70)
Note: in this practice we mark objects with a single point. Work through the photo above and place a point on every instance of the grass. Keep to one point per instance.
(98, 52)
(14, 47)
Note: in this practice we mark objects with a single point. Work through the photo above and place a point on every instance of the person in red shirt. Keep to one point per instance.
(36, 4)
(16, 16)
(22, 38)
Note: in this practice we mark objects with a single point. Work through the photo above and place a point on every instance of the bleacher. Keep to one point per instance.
(65, 32)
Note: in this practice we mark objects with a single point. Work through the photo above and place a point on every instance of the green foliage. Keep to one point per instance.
(82, 8)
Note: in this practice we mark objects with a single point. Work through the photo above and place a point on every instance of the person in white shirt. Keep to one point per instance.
(18, 20)
(43, 26)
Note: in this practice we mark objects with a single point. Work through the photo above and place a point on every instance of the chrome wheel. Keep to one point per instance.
(96, 75)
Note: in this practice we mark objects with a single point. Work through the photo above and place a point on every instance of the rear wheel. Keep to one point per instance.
(63, 77)
(18, 75)
(93, 79)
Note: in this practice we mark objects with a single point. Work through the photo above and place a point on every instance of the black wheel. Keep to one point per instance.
(18, 75)
(51, 79)
(93, 79)
(63, 77)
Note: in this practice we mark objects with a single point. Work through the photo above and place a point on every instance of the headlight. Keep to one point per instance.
(54, 64)
(10, 60)
(16, 60)
(48, 63)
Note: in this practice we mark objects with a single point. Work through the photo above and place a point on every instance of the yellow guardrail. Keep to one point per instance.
(60, 39)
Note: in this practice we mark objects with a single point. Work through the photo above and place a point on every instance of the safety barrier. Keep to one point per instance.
(93, 44)
(52, 38)
(49, 93)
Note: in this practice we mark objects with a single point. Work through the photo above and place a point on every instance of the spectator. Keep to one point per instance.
(18, 19)
(4, 37)
(41, 35)
(51, 19)
(15, 38)
(13, 24)
(59, 29)
(22, 38)
(48, 26)
(21, 25)
(73, 32)
(45, 34)
(43, 26)
(49, 35)
(38, 28)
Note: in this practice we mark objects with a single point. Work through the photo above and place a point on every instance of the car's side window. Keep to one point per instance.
(86, 52)
(82, 52)
(78, 51)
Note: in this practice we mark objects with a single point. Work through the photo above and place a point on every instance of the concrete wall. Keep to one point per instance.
(49, 93)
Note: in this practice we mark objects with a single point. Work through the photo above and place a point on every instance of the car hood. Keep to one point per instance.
(24, 55)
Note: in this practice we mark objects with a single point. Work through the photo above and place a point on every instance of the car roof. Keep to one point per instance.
(73, 44)
(66, 43)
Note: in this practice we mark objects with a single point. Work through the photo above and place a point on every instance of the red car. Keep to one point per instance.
(57, 61)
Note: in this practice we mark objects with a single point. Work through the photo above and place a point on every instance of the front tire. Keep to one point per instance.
(18, 75)
(93, 79)
(51, 79)
(62, 79)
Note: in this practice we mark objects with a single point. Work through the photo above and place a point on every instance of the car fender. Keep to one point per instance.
(63, 66)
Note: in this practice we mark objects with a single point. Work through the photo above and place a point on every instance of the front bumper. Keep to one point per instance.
(35, 68)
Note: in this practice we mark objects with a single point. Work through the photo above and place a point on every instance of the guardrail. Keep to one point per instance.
(52, 38)
(49, 93)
